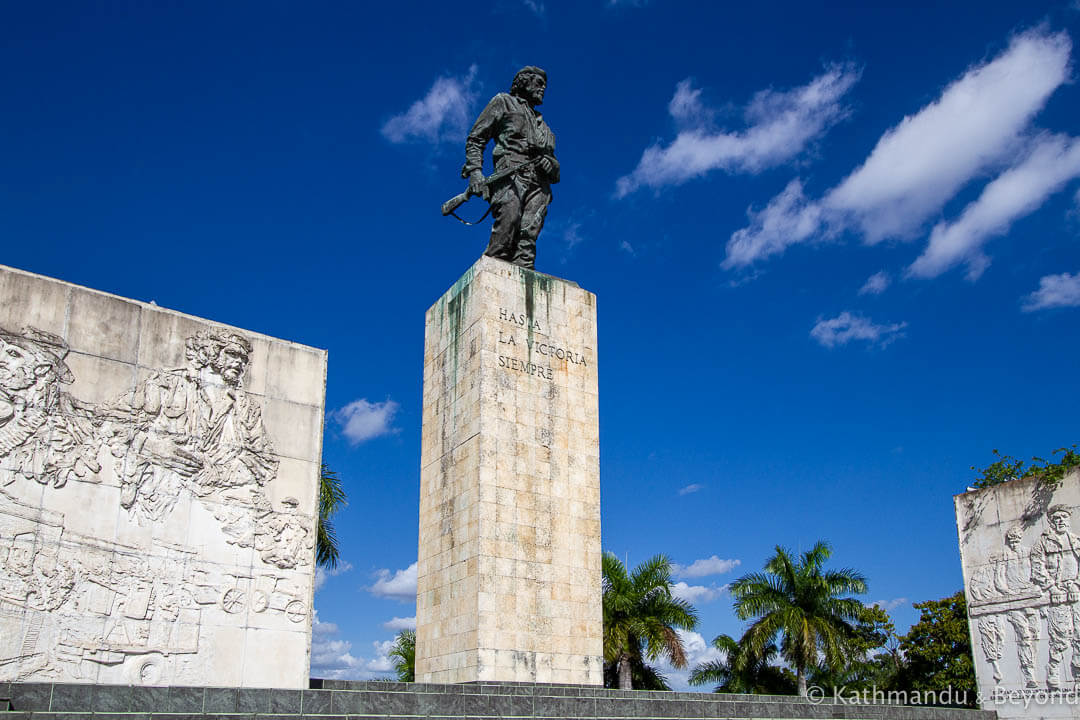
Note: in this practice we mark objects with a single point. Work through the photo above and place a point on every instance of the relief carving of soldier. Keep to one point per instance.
(1013, 578)
(519, 199)
(40, 581)
(991, 637)
(1055, 567)
(282, 538)
(45, 434)
(196, 427)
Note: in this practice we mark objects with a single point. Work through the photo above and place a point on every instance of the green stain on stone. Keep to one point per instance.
(455, 310)
(527, 278)
(534, 282)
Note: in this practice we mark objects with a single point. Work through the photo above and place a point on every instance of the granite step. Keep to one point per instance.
(341, 700)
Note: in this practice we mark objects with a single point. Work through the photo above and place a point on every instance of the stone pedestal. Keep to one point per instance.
(509, 580)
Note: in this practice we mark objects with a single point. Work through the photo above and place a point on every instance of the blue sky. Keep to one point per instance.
(836, 248)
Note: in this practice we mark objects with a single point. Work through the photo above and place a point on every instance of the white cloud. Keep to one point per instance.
(712, 565)
(322, 574)
(400, 585)
(322, 629)
(332, 658)
(691, 488)
(686, 107)
(977, 122)
(697, 651)
(380, 662)
(976, 125)
(1054, 291)
(627, 248)
(788, 219)
(399, 623)
(779, 125)
(443, 114)
(846, 327)
(1020, 190)
(536, 6)
(875, 284)
(889, 604)
(362, 420)
(697, 594)
(572, 235)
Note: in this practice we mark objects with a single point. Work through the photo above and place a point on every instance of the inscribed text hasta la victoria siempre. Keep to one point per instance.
(543, 348)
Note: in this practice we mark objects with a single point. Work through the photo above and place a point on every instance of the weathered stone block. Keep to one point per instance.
(158, 480)
(1021, 561)
(508, 554)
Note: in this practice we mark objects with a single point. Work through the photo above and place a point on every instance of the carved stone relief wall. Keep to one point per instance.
(158, 479)
(1021, 559)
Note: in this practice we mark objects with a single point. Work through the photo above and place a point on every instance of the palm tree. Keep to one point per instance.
(798, 601)
(404, 654)
(642, 676)
(641, 615)
(742, 671)
(331, 499)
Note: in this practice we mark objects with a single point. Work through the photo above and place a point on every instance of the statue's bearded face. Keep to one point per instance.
(1060, 521)
(230, 363)
(535, 88)
(530, 87)
(19, 368)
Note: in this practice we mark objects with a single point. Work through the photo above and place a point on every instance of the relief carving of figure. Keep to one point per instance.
(195, 427)
(45, 434)
(991, 638)
(283, 539)
(1013, 578)
(33, 578)
(191, 430)
(1055, 567)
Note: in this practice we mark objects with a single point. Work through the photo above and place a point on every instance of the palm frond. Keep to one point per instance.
(642, 616)
(331, 500)
(799, 603)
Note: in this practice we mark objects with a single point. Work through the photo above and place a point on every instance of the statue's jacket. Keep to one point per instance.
(519, 132)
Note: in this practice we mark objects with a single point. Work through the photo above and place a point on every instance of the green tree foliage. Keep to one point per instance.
(880, 659)
(870, 655)
(1007, 468)
(873, 628)
(798, 602)
(403, 654)
(641, 616)
(331, 499)
(937, 649)
(739, 670)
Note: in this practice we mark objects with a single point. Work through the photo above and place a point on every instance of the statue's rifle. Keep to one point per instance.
(457, 201)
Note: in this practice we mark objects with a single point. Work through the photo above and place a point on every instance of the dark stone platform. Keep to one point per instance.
(346, 700)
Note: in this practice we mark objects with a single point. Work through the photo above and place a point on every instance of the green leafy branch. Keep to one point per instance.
(1047, 474)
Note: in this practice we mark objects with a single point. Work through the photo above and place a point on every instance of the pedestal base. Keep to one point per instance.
(509, 579)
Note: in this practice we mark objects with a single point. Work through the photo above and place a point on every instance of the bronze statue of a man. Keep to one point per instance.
(525, 166)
